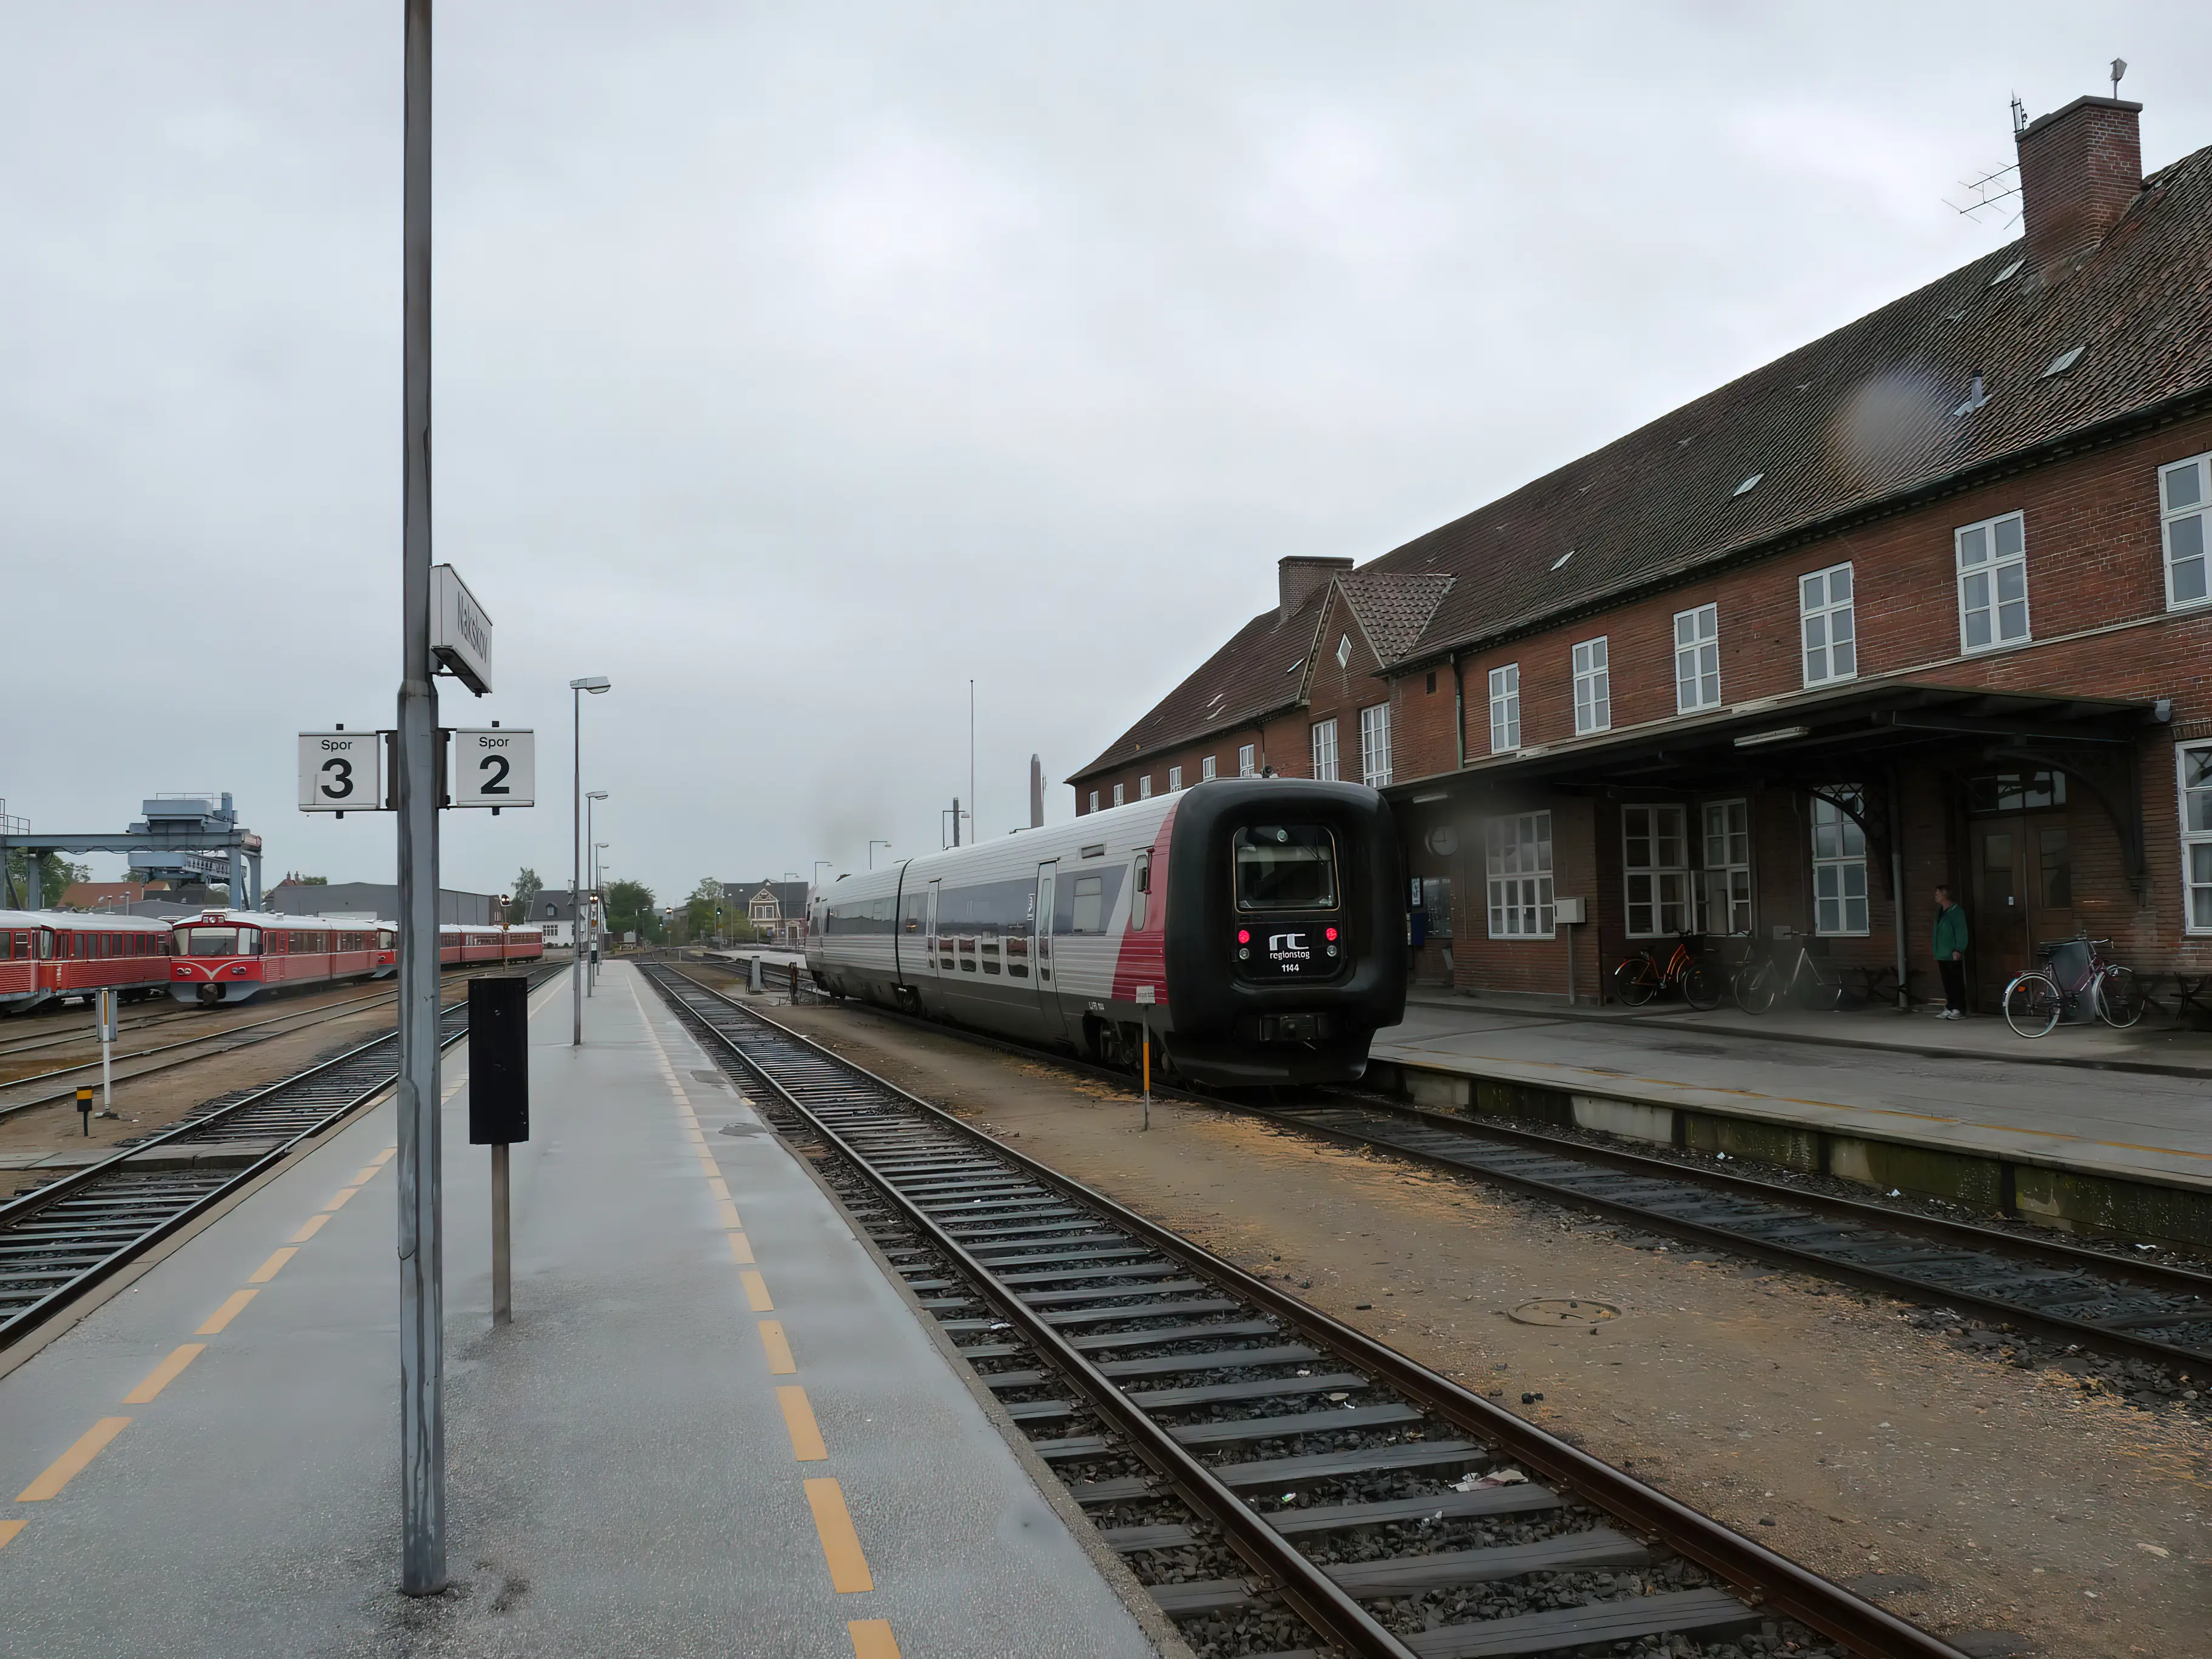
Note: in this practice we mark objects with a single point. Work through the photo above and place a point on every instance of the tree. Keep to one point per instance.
(631, 909)
(527, 887)
(708, 911)
(56, 875)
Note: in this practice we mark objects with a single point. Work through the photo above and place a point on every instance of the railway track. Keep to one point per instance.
(62, 1240)
(2069, 1295)
(1280, 1482)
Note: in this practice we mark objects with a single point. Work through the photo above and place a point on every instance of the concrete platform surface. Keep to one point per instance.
(1975, 1101)
(715, 1427)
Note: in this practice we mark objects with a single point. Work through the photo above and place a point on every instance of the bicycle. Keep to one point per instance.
(1637, 979)
(2035, 1000)
(1758, 984)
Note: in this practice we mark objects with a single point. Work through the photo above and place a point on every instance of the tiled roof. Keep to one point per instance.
(1877, 409)
(1252, 675)
(1863, 414)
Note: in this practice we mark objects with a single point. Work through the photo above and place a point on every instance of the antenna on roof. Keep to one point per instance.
(2019, 116)
(2119, 67)
(1984, 191)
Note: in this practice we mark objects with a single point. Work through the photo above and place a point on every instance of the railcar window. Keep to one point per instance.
(1285, 866)
(211, 942)
(1085, 902)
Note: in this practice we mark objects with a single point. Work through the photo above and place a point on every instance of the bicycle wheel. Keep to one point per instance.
(1757, 985)
(2119, 998)
(1636, 981)
(2031, 1005)
(1702, 986)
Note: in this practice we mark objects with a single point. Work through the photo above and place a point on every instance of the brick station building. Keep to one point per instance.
(1924, 600)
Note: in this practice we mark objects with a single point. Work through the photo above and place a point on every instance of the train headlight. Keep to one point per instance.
(1331, 950)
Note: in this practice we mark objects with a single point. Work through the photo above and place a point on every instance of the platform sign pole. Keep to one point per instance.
(503, 1283)
(1144, 1021)
(107, 1006)
(421, 1261)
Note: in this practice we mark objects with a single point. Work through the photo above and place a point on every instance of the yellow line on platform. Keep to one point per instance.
(730, 1216)
(65, 1468)
(799, 1417)
(365, 1176)
(164, 1374)
(841, 1545)
(313, 1225)
(384, 1157)
(8, 1530)
(779, 1362)
(343, 1193)
(719, 1188)
(223, 1316)
(741, 1250)
(872, 1639)
(269, 1269)
(756, 1292)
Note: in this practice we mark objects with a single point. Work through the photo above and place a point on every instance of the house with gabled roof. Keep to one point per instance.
(1927, 599)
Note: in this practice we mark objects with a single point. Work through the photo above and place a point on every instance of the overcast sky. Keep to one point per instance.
(795, 364)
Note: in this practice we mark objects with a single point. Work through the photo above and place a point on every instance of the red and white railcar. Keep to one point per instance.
(46, 954)
(227, 956)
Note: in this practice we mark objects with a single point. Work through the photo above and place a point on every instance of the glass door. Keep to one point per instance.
(1040, 951)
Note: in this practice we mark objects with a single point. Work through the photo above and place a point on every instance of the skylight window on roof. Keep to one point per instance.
(1749, 484)
(1295, 666)
(1344, 650)
(2007, 273)
(2064, 361)
(1559, 561)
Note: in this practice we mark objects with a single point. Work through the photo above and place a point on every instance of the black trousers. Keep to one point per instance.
(1954, 983)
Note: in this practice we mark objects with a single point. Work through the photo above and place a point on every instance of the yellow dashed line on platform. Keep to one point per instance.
(841, 1545)
(164, 1374)
(719, 1188)
(799, 1417)
(223, 1316)
(310, 1227)
(70, 1463)
(778, 1347)
(730, 1217)
(757, 1296)
(269, 1269)
(872, 1639)
(8, 1530)
(741, 1250)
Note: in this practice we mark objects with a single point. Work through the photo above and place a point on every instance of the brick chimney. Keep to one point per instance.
(1300, 576)
(2080, 167)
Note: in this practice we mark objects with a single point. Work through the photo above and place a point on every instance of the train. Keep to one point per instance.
(46, 954)
(217, 957)
(1252, 930)
(229, 956)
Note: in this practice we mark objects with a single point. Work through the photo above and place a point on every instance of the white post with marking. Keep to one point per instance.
(107, 1016)
(1144, 1020)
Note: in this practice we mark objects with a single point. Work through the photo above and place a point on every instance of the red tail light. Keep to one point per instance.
(1244, 936)
(1332, 935)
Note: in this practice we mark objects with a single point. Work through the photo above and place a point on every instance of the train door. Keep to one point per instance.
(1040, 952)
(937, 961)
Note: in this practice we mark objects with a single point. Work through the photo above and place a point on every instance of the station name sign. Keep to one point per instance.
(460, 632)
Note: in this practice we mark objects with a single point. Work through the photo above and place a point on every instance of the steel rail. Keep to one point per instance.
(14, 1326)
(1770, 1579)
(1966, 1235)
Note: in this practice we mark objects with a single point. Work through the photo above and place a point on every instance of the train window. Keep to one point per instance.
(1141, 902)
(211, 942)
(1285, 867)
(1089, 910)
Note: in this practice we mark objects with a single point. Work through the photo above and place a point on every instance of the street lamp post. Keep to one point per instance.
(599, 902)
(595, 683)
(872, 851)
(590, 914)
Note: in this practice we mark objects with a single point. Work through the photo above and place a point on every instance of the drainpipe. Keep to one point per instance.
(1458, 709)
(1897, 887)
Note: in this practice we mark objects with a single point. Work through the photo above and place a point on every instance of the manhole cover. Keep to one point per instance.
(1561, 1310)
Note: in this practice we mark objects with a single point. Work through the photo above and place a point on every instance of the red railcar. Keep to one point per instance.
(228, 956)
(46, 954)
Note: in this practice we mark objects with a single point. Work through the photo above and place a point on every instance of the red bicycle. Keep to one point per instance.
(1639, 978)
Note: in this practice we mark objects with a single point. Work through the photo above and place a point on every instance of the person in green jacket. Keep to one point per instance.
(1951, 953)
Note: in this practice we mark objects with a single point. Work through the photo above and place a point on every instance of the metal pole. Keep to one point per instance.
(421, 1261)
(1146, 1016)
(502, 1296)
(108, 1014)
(576, 880)
(591, 904)
(971, 748)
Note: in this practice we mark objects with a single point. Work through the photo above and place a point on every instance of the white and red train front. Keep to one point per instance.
(228, 956)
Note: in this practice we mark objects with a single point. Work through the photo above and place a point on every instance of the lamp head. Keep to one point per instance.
(595, 794)
(593, 684)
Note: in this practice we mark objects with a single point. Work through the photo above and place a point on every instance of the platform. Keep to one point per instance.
(715, 1426)
(1910, 1100)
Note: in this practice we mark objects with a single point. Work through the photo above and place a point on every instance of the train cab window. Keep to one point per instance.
(1285, 867)
(211, 942)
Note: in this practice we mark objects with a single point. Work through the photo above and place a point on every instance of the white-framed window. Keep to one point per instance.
(1344, 650)
(1506, 709)
(1174, 779)
(1375, 746)
(1697, 659)
(1094, 800)
(1247, 765)
(1119, 797)
(1205, 770)
(2184, 502)
(1144, 787)
(1723, 885)
(2195, 761)
(1324, 750)
(1829, 627)
(1992, 582)
(1518, 859)
(1655, 852)
(1593, 687)
(1840, 868)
